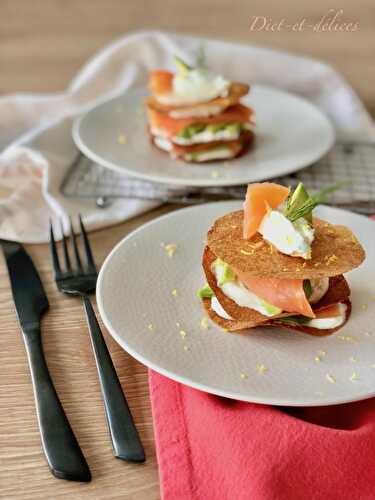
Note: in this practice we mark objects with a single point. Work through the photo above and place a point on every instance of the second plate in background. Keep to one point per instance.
(291, 134)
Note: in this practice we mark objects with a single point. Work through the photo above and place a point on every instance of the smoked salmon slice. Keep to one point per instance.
(171, 126)
(259, 196)
(161, 82)
(288, 294)
(328, 312)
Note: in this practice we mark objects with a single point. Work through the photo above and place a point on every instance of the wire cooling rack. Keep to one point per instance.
(350, 164)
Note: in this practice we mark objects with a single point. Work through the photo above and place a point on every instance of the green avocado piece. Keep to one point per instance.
(270, 308)
(227, 273)
(294, 320)
(182, 68)
(307, 288)
(191, 130)
(205, 292)
(192, 156)
(234, 127)
(297, 199)
(215, 127)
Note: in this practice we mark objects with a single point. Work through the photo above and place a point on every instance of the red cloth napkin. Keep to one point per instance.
(212, 448)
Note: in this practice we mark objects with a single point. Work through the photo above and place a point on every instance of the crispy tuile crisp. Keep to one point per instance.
(239, 326)
(335, 251)
(236, 91)
(338, 292)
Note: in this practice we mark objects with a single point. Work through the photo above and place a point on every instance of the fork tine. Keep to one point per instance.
(54, 255)
(86, 244)
(68, 265)
(75, 247)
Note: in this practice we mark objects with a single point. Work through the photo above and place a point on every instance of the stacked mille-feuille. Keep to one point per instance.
(275, 264)
(197, 116)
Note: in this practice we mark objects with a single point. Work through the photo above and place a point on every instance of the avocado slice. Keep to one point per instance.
(191, 130)
(270, 308)
(297, 199)
(234, 127)
(307, 288)
(227, 273)
(205, 292)
(294, 320)
(182, 68)
(216, 127)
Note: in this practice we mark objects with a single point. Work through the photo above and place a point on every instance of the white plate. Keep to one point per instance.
(135, 290)
(291, 134)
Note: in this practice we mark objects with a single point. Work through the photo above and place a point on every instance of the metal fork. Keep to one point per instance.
(80, 279)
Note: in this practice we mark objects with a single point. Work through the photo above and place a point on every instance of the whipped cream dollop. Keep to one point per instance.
(290, 238)
(194, 86)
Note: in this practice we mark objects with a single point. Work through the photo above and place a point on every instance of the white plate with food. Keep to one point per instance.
(203, 130)
(147, 297)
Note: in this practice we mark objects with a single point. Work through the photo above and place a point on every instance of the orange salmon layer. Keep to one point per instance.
(287, 294)
(259, 197)
(162, 122)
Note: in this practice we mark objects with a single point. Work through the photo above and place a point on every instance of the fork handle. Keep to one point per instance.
(125, 439)
(64, 456)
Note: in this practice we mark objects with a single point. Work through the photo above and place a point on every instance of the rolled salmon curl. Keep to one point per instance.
(259, 196)
(161, 82)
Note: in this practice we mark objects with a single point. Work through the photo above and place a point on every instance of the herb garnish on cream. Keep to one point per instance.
(289, 227)
(194, 85)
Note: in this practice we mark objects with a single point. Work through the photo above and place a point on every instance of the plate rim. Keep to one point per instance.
(185, 380)
(214, 182)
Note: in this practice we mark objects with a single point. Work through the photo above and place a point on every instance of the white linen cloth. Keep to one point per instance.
(35, 130)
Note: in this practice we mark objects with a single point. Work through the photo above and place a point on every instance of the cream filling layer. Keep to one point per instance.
(219, 153)
(218, 308)
(208, 136)
(163, 143)
(319, 323)
(205, 136)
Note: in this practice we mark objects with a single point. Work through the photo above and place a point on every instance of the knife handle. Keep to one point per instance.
(125, 439)
(64, 456)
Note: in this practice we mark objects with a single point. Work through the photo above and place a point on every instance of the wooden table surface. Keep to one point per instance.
(43, 43)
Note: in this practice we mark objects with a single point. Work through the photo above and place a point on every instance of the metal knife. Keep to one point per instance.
(60, 446)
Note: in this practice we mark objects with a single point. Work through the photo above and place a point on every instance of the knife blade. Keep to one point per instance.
(60, 446)
(27, 289)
